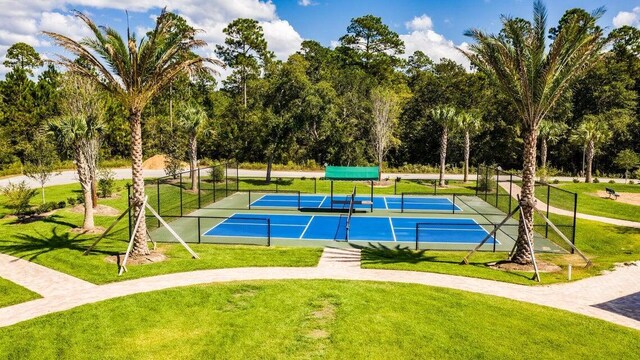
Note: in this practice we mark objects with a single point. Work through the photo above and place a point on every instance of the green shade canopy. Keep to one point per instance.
(351, 173)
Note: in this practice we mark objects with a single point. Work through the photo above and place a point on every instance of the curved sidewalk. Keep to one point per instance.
(588, 297)
(543, 207)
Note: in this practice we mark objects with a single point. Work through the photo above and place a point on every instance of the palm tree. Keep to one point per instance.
(469, 123)
(80, 129)
(191, 118)
(591, 132)
(445, 116)
(534, 76)
(549, 133)
(135, 72)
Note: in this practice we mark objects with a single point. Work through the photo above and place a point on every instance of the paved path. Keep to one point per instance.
(543, 207)
(598, 296)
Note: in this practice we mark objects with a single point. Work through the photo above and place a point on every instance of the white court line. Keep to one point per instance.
(260, 198)
(306, 227)
(392, 230)
(441, 229)
(220, 223)
(322, 202)
(386, 206)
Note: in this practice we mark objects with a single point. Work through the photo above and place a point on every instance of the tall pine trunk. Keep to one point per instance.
(467, 150)
(137, 199)
(443, 154)
(193, 156)
(522, 253)
(589, 155)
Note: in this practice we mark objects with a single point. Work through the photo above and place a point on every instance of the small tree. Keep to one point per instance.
(445, 116)
(627, 160)
(591, 133)
(40, 161)
(192, 118)
(469, 123)
(385, 108)
(18, 197)
(550, 133)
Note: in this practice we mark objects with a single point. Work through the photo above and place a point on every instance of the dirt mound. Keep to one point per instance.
(543, 267)
(154, 257)
(155, 162)
(625, 197)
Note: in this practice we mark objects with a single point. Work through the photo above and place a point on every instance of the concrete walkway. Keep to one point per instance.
(598, 297)
(554, 210)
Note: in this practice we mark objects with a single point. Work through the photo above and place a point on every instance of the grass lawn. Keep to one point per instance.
(589, 202)
(604, 244)
(315, 319)
(11, 293)
(48, 242)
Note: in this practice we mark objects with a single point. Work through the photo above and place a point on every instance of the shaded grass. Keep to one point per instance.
(315, 319)
(11, 293)
(48, 242)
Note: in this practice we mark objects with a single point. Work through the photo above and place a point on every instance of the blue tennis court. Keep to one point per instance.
(364, 228)
(423, 203)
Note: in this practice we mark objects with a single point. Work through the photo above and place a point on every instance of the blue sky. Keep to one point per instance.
(435, 27)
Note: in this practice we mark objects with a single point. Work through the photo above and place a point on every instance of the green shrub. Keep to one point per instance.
(576, 180)
(631, 182)
(612, 181)
(556, 181)
(596, 181)
(303, 178)
(80, 199)
(486, 182)
(106, 182)
(46, 207)
(217, 173)
(71, 201)
(18, 197)
(62, 204)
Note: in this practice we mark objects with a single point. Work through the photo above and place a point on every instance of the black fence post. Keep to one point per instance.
(510, 193)
(477, 179)
(435, 187)
(395, 186)
(237, 177)
(268, 232)
(181, 194)
(199, 191)
(453, 204)
(546, 224)
(226, 179)
(199, 233)
(371, 195)
(213, 179)
(158, 194)
(402, 203)
(486, 187)
(249, 199)
(277, 185)
(497, 186)
(575, 212)
(299, 206)
(495, 237)
(315, 185)
(331, 194)
(417, 225)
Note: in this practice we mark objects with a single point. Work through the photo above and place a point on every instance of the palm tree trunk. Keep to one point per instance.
(94, 191)
(443, 154)
(467, 146)
(85, 178)
(193, 155)
(140, 242)
(543, 152)
(589, 155)
(522, 254)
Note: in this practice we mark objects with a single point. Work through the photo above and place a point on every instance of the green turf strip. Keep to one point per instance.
(11, 293)
(316, 319)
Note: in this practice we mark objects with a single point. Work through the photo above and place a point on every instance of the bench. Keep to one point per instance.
(612, 193)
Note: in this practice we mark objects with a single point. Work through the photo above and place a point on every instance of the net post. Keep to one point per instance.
(158, 195)
(199, 191)
(546, 226)
(181, 194)
(495, 237)
(331, 194)
(402, 203)
(575, 211)
(417, 225)
(453, 204)
(199, 233)
(371, 196)
(268, 232)
(249, 199)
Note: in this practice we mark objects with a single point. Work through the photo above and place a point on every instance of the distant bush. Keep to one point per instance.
(596, 181)
(486, 182)
(71, 201)
(576, 180)
(46, 207)
(217, 173)
(18, 196)
(631, 182)
(612, 181)
(80, 199)
(62, 204)
(106, 182)
(556, 181)
(303, 178)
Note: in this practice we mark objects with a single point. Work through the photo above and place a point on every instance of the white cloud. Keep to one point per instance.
(631, 18)
(306, 3)
(283, 40)
(422, 37)
(422, 22)
(69, 25)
